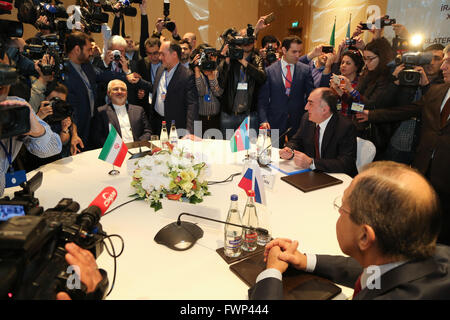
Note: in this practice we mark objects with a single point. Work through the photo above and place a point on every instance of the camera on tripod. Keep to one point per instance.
(122, 6)
(32, 244)
(380, 23)
(409, 76)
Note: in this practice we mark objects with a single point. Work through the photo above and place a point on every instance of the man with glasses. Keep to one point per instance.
(388, 223)
(130, 121)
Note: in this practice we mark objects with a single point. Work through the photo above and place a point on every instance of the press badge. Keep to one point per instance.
(207, 98)
(242, 86)
(357, 107)
(339, 106)
(14, 179)
(150, 98)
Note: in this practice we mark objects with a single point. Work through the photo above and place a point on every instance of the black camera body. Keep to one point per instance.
(206, 63)
(381, 22)
(271, 54)
(61, 110)
(409, 76)
(32, 250)
(350, 42)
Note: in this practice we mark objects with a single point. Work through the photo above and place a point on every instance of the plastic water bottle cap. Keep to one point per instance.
(251, 193)
(234, 197)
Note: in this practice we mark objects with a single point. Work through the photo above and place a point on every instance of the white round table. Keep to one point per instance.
(147, 270)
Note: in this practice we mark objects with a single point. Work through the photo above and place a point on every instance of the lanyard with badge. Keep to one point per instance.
(242, 85)
(12, 178)
(207, 96)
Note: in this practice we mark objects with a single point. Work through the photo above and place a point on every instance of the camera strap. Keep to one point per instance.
(12, 178)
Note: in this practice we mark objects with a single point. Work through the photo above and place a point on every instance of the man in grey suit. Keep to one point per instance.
(130, 121)
(388, 225)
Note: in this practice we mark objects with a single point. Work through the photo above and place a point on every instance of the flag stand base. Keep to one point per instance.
(114, 172)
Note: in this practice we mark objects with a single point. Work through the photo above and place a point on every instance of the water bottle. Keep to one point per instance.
(260, 141)
(163, 136)
(264, 147)
(173, 136)
(250, 219)
(233, 235)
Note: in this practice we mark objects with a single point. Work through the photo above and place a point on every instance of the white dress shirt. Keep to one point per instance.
(161, 92)
(124, 121)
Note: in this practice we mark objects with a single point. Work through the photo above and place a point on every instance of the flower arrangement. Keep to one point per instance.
(171, 173)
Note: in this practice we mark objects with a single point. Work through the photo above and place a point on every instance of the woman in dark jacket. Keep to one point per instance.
(376, 90)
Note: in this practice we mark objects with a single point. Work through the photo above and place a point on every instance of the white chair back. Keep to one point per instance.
(365, 153)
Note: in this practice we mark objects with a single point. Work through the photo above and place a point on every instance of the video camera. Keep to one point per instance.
(28, 11)
(32, 244)
(409, 76)
(379, 23)
(234, 40)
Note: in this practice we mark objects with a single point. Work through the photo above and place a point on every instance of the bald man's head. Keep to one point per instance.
(401, 207)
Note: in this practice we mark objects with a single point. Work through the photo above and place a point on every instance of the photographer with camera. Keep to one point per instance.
(432, 153)
(269, 50)
(39, 139)
(204, 64)
(241, 74)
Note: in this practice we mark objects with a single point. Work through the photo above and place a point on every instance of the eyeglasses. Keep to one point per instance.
(337, 205)
(370, 58)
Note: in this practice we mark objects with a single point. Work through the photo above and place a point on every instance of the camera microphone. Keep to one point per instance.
(90, 216)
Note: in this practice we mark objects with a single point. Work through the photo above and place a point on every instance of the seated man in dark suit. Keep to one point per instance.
(130, 121)
(388, 224)
(325, 140)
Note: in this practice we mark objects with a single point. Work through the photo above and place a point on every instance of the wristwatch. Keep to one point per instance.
(293, 153)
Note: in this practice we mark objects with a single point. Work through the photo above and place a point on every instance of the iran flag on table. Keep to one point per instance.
(114, 150)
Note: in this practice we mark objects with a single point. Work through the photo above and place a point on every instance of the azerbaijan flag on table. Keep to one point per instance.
(114, 150)
(241, 138)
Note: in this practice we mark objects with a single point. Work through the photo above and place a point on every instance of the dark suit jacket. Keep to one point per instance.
(338, 147)
(424, 279)
(275, 107)
(433, 138)
(140, 125)
(78, 98)
(181, 102)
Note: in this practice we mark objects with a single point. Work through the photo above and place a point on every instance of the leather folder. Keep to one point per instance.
(297, 285)
(311, 180)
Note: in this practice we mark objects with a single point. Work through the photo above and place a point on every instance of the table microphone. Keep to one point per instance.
(90, 216)
(182, 235)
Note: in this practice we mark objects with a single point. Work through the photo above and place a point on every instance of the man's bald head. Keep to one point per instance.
(401, 207)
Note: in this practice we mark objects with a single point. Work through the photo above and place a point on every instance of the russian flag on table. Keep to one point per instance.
(252, 180)
(241, 139)
(114, 150)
